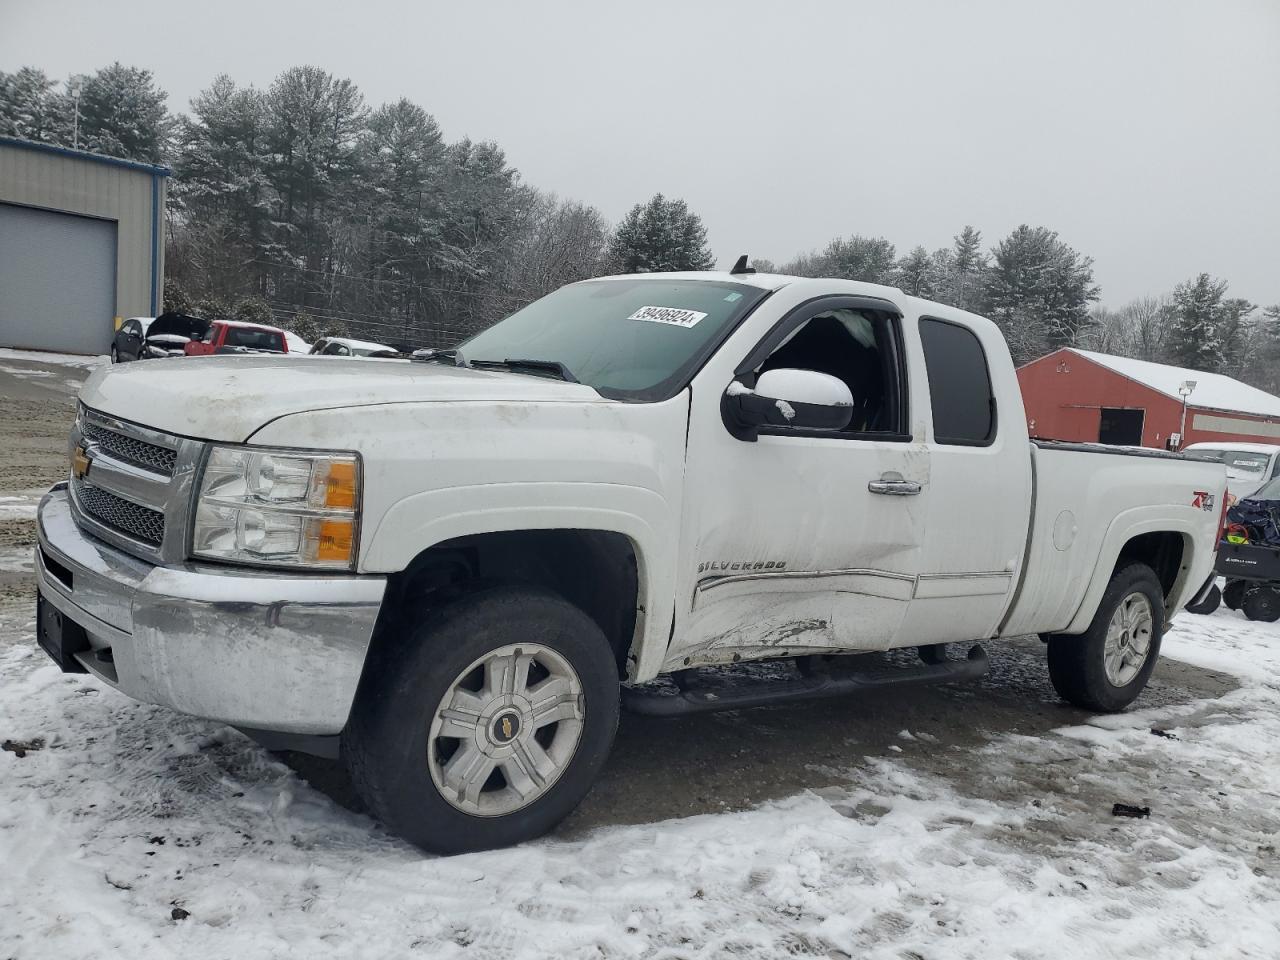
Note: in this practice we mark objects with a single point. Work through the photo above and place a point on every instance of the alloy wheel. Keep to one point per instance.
(1128, 639)
(505, 730)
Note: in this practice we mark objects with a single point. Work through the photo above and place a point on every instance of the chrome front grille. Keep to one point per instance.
(132, 485)
(148, 456)
(125, 516)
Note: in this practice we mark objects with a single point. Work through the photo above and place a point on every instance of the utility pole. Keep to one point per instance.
(1184, 391)
(75, 125)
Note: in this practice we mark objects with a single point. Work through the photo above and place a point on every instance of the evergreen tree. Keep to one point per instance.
(1196, 336)
(1039, 290)
(1237, 331)
(968, 270)
(917, 273)
(660, 235)
(31, 109)
(404, 157)
(220, 186)
(872, 259)
(313, 124)
(123, 114)
(1263, 370)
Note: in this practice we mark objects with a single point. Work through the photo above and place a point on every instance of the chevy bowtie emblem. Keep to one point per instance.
(508, 728)
(80, 461)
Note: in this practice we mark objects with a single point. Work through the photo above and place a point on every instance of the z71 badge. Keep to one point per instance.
(1204, 500)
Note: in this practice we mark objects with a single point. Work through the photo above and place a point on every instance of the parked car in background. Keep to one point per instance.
(347, 347)
(128, 342)
(233, 336)
(1249, 465)
(147, 338)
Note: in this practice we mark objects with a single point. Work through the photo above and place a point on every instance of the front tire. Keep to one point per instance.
(488, 721)
(1105, 668)
(115, 354)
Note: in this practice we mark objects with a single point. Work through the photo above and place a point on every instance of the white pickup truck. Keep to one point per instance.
(452, 572)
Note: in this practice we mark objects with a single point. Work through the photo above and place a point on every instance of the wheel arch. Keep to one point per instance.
(602, 572)
(1168, 546)
(435, 522)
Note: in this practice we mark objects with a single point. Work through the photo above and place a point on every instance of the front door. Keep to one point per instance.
(807, 540)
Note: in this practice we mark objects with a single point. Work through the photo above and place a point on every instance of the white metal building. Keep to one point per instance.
(81, 245)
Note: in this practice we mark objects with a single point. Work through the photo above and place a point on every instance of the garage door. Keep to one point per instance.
(57, 280)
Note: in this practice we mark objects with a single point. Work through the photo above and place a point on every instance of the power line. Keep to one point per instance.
(414, 284)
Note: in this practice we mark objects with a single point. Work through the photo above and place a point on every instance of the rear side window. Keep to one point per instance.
(964, 408)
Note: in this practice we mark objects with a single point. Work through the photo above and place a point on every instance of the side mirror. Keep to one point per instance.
(787, 398)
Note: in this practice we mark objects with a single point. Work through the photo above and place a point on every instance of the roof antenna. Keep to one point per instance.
(741, 266)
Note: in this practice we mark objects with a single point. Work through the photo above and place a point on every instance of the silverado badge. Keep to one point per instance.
(80, 461)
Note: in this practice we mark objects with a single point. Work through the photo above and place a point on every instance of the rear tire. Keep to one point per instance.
(1233, 595)
(1262, 603)
(1105, 668)
(486, 722)
(1211, 602)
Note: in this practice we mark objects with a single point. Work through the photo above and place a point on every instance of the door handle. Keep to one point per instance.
(895, 488)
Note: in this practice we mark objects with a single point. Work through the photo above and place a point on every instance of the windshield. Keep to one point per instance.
(1241, 464)
(629, 339)
(255, 339)
(1268, 491)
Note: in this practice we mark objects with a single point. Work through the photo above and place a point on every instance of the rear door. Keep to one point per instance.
(131, 335)
(805, 539)
(980, 465)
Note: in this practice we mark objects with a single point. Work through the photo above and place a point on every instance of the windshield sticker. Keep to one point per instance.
(733, 297)
(670, 315)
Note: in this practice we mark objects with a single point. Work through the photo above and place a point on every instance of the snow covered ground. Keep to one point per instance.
(126, 830)
(58, 359)
(63, 372)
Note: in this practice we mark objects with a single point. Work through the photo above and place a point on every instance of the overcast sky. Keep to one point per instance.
(1147, 134)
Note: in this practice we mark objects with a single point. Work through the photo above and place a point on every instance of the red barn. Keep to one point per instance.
(1079, 395)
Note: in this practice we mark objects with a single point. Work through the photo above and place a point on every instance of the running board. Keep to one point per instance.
(769, 692)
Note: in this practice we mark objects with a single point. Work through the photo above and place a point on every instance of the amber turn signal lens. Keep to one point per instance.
(334, 540)
(340, 485)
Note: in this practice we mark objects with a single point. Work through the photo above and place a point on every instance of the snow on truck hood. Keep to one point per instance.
(228, 398)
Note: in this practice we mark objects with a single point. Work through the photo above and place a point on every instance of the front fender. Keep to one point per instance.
(423, 520)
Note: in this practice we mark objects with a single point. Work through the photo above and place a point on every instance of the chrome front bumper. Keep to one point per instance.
(263, 650)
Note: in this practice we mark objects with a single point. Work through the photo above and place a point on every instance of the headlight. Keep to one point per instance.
(278, 508)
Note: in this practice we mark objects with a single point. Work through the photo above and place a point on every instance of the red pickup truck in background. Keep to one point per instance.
(233, 336)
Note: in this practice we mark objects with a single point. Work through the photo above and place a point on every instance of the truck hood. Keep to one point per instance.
(229, 398)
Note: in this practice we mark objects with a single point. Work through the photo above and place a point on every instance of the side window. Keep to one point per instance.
(964, 408)
(210, 333)
(859, 347)
(131, 329)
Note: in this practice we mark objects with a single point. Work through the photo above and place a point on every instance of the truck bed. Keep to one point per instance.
(1112, 449)
(1085, 496)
